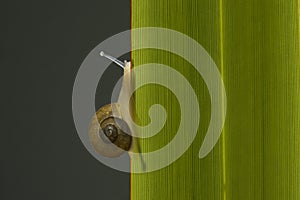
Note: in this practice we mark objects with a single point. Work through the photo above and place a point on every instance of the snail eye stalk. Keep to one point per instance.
(113, 59)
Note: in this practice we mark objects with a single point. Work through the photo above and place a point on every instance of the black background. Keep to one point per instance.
(43, 44)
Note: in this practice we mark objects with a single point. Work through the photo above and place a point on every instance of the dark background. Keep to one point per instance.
(43, 44)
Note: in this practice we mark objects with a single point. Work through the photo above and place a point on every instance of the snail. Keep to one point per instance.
(109, 133)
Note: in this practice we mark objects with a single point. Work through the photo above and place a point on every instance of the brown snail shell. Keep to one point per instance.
(109, 133)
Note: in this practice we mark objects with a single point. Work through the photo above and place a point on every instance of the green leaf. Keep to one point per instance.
(255, 45)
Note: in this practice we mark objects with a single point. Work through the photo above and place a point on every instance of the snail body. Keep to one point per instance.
(109, 132)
